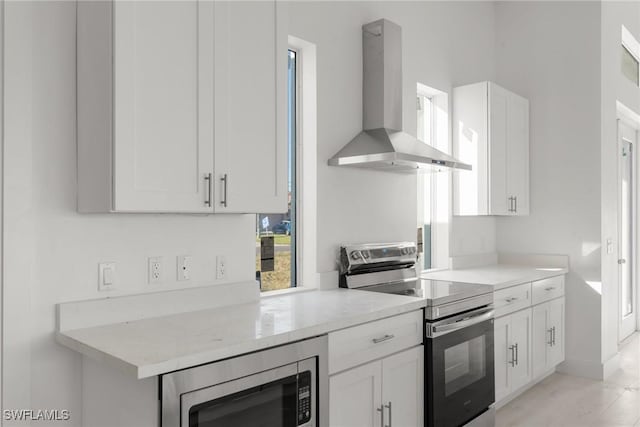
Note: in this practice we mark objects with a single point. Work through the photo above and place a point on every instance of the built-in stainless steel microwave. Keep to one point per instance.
(284, 386)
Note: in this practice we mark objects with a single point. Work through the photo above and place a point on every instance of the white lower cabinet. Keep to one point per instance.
(528, 343)
(548, 335)
(403, 387)
(355, 396)
(384, 392)
(512, 349)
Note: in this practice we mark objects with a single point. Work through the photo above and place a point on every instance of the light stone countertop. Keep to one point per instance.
(154, 345)
(498, 275)
(158, 345)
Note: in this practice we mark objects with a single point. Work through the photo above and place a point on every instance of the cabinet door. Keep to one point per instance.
(250, 107)
(355, 397)
(502, 356)
(556, 323)
(520, 335)
(499, 203)
(517, 161)
(163, 106)
(403, 388)
(540, 339)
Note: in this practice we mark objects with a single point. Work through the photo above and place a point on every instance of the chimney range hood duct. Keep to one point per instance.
(382, 144)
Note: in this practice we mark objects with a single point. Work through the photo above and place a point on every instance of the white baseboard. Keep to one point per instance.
(589, 369)
(610, 366)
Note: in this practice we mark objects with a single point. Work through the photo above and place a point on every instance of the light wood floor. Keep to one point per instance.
(564, 400)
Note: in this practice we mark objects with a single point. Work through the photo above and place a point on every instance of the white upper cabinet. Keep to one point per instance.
(174, 96)
(491, 132)
(251, 107)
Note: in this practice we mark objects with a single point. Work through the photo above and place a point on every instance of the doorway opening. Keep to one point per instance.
(627, 229)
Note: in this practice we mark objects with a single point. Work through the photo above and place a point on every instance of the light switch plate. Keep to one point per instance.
(106, 276)
(183, 267)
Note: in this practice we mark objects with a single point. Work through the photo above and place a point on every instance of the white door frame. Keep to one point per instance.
(631, 119)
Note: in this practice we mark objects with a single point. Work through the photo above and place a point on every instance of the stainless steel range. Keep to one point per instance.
(459, 371)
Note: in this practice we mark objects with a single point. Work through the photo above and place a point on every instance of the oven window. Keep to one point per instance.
(464, 364)
(268, 405)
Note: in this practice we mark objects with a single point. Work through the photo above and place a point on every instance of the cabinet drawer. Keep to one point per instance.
(547, 289)
(359, 344)
(512, 299)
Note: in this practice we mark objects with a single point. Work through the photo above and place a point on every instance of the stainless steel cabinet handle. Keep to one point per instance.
(512, 362)
(510, 204)
(381, 410)
(511, 299)
(387, 337)
(550, 288)
(225, 181)
(550, 330)
(515, 204)
(553, 336)
(390, 419)
(516, 353)
(207, 200)
(622, 261)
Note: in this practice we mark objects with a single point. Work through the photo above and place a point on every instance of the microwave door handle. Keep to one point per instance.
(463, 323)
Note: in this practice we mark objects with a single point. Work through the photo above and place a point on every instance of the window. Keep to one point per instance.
(630, 57)
(434, 210)
(276, 234)
(425, 121)
(630, 66)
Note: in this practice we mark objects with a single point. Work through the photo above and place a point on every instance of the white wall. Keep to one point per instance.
(549, 53)
(615, 87)
(444, 45)
(52, 252)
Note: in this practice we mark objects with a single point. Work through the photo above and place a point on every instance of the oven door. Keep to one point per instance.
(459, 370)
(281, 397)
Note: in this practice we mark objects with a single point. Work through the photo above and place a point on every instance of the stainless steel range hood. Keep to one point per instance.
(382, 144)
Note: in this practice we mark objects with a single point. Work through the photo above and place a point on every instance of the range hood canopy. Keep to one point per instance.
(382, 144)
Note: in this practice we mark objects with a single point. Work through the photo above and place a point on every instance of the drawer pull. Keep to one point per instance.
(511, 299)
(550, 288)
(383, 339)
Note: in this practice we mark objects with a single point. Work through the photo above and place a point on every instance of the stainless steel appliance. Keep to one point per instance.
(459, 369)
(284, 386)
(382, 144)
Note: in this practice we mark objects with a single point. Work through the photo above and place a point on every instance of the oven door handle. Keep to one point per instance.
(472, 320)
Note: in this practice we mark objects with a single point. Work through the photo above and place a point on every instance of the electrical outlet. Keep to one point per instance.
(155, 269)
(106, 276)
(183, 267)
(221, 267)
